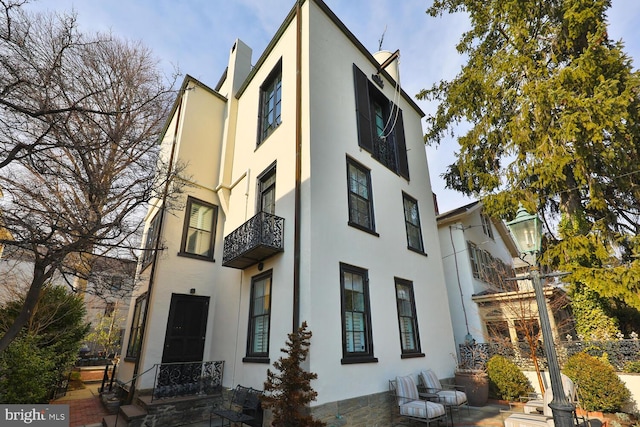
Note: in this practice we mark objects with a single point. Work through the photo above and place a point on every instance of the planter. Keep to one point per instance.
(476, 385)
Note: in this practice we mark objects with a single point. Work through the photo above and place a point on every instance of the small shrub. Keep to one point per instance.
(506, 380)
(599, 387)
(632, 367)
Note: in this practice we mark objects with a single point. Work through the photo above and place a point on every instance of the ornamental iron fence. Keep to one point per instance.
(187, 379)
(618, 352)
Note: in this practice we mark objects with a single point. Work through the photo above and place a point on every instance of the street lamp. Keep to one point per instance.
(527, 233)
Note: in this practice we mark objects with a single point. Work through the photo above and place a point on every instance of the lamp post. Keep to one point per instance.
(527, 232)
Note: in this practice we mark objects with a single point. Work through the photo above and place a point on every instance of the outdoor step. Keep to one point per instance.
(110, 421)
(131, 412)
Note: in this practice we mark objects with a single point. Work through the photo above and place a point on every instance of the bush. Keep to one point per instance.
(506, 380)
(599, 387)
(26, 372)
(632, 367)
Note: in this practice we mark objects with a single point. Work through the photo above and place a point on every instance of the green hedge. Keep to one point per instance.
(506, 380)
(599, 387)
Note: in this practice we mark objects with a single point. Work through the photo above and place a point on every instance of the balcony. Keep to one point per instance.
(254, 241)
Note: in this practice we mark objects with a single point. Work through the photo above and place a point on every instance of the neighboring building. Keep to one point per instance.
(308, 199)
(107, 289)
(481, 263)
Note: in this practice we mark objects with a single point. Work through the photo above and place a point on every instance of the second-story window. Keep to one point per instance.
(412, 223)
(150, 240)
(267, 190)
(486, 225)
(199, 229)
(270, 103)
(360, 197)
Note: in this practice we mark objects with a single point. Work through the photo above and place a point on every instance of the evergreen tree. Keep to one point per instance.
(45, 348)
(553, 107)
(290, 392)
(591, 315)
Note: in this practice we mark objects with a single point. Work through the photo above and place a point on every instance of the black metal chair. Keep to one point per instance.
(245, 408)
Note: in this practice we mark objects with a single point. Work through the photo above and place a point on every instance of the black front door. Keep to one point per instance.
(186, 328)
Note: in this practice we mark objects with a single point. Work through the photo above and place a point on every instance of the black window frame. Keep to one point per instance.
(251, 355)
(273, 83)
(367, 355)
(409, 224)
(134, 344)
(150, 240)
(390, 151)
(261, 181)
(415, 334)
(187, 225)
(351, 204)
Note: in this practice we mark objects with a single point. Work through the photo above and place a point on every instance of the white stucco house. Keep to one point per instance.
(481, 261)
(308, 199)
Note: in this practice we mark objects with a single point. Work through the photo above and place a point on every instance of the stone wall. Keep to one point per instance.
(373, 410)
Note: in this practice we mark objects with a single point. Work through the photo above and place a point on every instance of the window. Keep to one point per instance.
(357, 342)
(360, 198)
(199, 229)
(380, 125)
(412, 223)
(486, 225)
(267, 190)
(498, 331)
(135, 335)
(270, 103)
(527, 328)
(407, 320)
(489, 269)
(259, 319)
(109, 308)
(150, 242)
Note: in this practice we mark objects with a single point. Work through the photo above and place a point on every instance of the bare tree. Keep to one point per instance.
(78, 144)
(516, 302)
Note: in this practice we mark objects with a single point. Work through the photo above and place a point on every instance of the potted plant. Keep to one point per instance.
(471, 372)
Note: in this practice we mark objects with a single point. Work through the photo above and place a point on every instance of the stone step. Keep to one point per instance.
(110, 421)
(131, 412)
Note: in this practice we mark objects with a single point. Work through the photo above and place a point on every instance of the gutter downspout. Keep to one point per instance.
(297, 227)
(154, 262)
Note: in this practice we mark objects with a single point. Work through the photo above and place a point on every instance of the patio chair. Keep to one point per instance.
(452, 395)
(411, 406)
(244, 408)
(537, 405)
(545, 419)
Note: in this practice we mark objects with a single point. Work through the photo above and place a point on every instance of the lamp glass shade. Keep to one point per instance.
(527, 231)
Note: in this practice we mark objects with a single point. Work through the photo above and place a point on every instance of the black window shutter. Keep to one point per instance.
(363, 109)
(401, 146)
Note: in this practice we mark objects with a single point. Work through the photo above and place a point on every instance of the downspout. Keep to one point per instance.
(154, 259)
(297, 227)
(455, 260)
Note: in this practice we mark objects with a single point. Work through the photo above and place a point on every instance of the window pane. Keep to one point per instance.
(412, 223)
(271, 105)
(259, 316)
(407, 317)
(356, 326)
(360, 204)
(198, 236)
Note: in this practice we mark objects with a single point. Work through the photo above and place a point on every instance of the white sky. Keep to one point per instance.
(196, 36)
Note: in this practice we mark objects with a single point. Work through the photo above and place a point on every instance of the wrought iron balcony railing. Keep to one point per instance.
(254, 241)
(187, 379)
